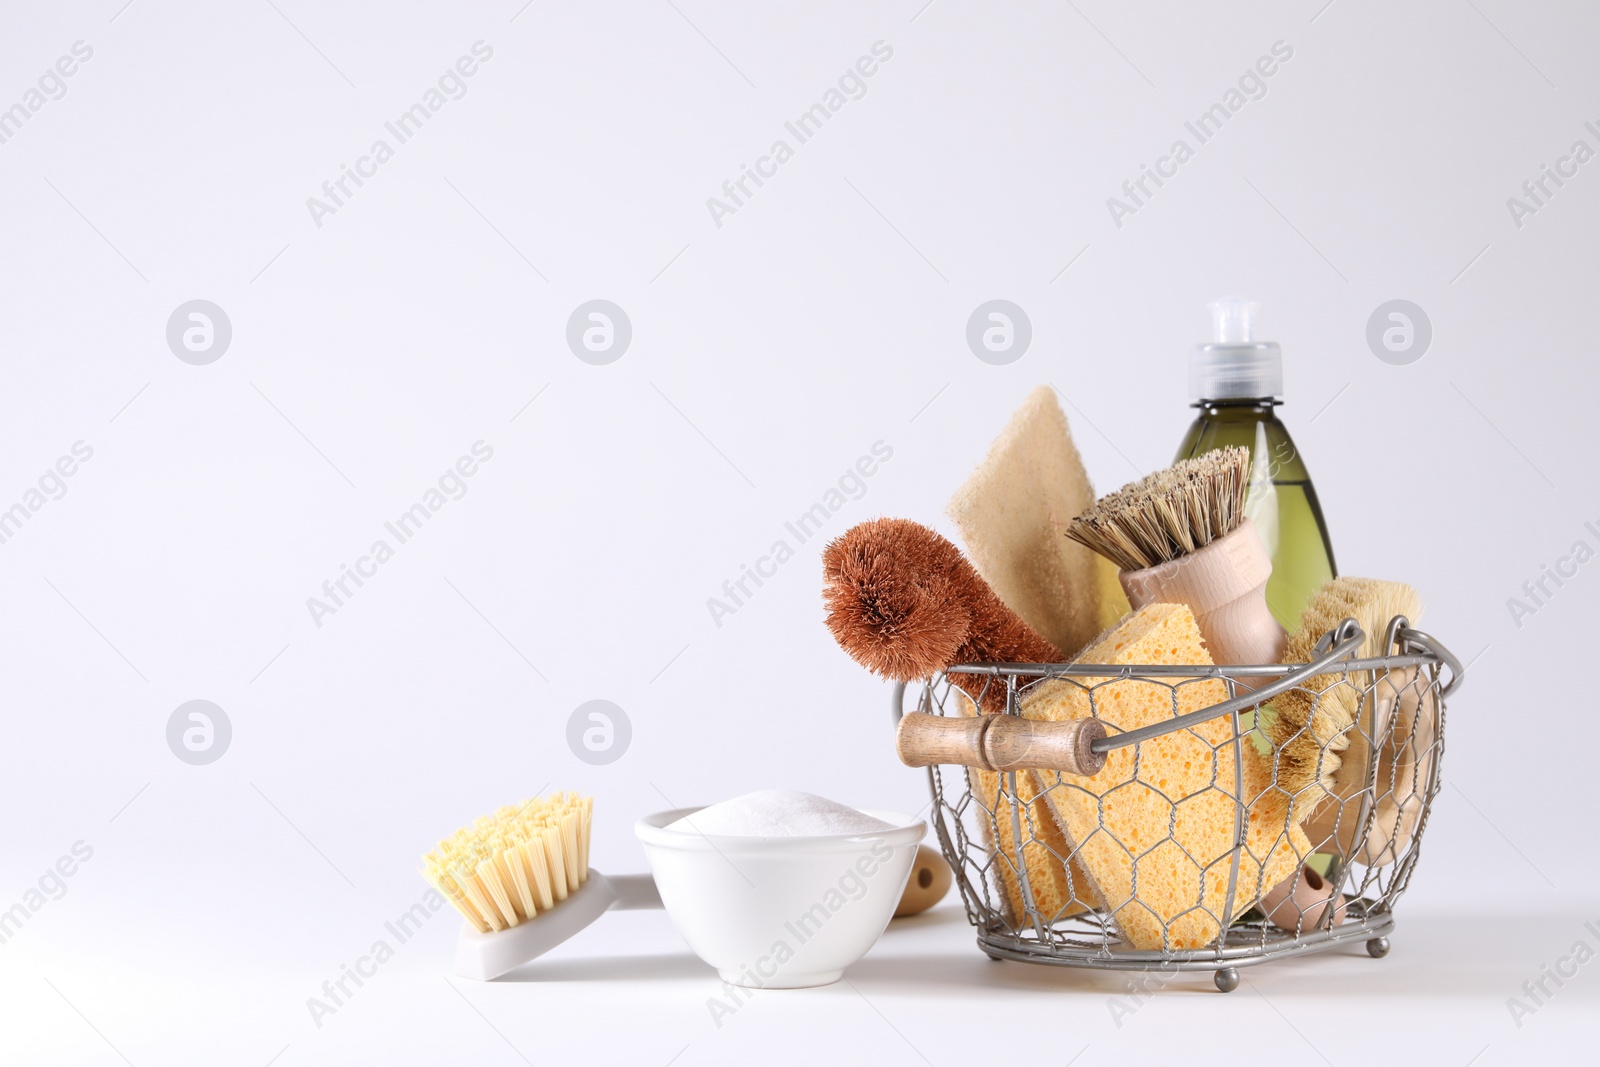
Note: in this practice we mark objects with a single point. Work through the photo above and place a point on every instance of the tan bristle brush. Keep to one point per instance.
(1324, 733)
(1181, 536)
(508, 867)
(521, 879)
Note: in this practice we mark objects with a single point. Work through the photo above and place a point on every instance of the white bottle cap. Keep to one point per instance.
(1235, 366)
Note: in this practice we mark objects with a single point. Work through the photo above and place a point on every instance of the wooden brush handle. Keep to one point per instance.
(1224, 584)
(1000, 743)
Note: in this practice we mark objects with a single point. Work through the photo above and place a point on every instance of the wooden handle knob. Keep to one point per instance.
(924, 740)
(930, 880)
(1000, 743)
(1014, 744)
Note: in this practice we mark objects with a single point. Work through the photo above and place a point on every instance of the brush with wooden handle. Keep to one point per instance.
(1180, 536)
(1326, 733)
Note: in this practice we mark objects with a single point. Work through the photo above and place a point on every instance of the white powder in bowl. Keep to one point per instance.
(778, 813)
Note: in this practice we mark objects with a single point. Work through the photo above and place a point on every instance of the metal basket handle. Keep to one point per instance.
(1348, 638)
(973, 742)
(1429, 645)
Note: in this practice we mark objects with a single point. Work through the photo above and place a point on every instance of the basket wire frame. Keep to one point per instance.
(1366, 846)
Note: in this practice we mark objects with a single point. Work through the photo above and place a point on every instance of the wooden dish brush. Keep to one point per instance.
(1180, 536)
(1325, 733)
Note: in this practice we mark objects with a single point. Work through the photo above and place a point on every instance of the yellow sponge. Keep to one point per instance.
(1154, 830)
(1057, 882)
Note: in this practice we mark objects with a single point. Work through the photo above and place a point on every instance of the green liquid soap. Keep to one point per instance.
(1237, 383)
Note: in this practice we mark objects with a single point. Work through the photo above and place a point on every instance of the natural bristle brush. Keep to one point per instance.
(904, 602)
(1181, 536)
(1325, 735)
(521, 879)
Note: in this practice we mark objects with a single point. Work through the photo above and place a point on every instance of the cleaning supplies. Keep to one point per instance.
(1236, 382)
(1299, 903)
(1406, 725)
(506, 868)
(904, 603)
(1057, 884)
(521, 879)
(929, 882)
(1155, 828)
(1325, 733)
(1012, 511)
(1181, 536)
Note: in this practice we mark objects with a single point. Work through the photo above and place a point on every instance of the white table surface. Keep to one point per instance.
(628, 991)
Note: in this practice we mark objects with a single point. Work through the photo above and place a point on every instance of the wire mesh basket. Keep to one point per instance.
(1193, 847)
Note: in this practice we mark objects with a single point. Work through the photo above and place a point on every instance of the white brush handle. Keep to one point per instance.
(1224, 585)
(635, 892)
(488, 956)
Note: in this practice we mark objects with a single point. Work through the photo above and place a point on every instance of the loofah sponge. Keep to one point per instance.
(1154, 830)
(1013, 512)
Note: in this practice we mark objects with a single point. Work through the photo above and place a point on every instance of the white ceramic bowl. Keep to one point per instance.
(780, 912)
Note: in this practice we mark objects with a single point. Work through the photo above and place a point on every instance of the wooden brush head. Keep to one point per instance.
(904, 603)
(1311, 731)
(1170, 513)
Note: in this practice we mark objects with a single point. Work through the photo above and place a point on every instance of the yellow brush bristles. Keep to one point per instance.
(508, 867)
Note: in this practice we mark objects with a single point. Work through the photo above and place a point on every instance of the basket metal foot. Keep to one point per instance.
(1227, 979)
(1378, 947)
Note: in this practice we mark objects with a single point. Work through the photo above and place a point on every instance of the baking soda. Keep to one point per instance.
(778, 813)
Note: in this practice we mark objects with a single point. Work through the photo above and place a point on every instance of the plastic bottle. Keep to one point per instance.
(1236, 382)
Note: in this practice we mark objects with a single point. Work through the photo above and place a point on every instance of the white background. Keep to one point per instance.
(768, 354)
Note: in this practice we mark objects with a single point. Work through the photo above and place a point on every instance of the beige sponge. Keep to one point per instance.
(1154, 830)
(1013, 513)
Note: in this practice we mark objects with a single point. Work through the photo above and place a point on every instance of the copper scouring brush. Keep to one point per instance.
(1180, 536)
